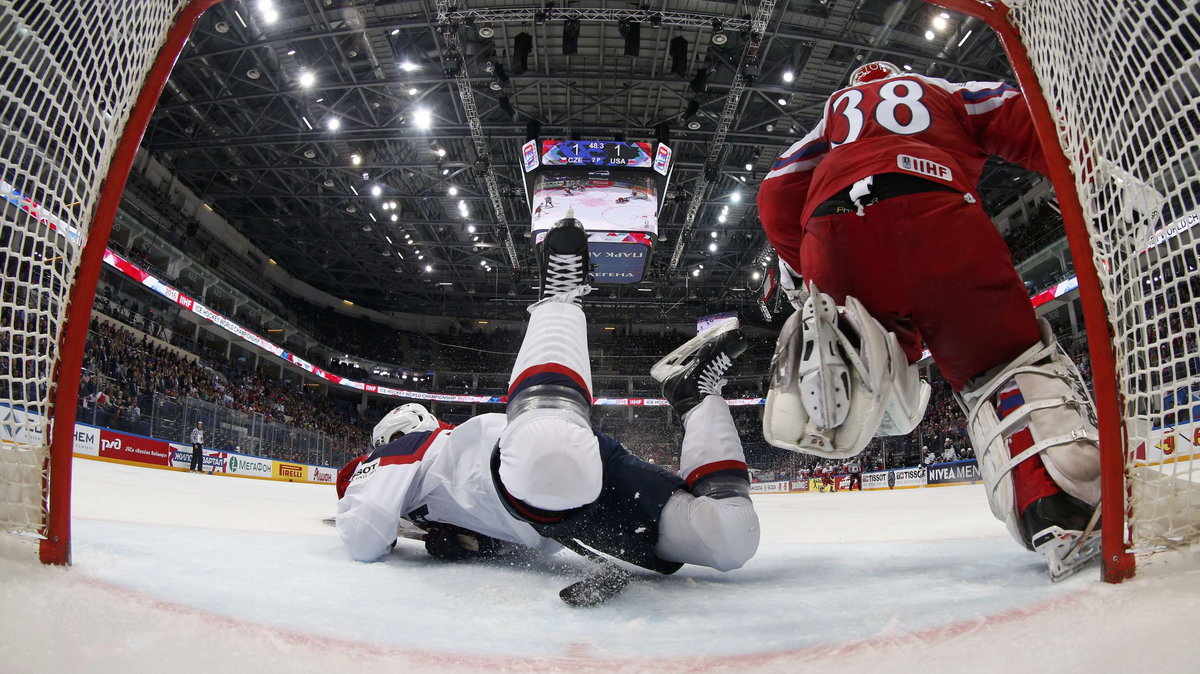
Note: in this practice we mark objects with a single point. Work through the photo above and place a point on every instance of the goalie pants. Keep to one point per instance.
(928, 266)
(931, 266)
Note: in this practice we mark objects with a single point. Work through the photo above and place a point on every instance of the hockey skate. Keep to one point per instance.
(564, 262)
(697, 368)
(1065, 532)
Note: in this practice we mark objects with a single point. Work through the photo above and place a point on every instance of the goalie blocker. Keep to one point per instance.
(838, 378)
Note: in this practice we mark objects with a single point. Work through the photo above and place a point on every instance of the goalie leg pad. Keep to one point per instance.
(909, 394)
(838, 379)
(1041, 391)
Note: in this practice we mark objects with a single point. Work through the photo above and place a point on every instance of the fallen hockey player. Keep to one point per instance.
(539, 474)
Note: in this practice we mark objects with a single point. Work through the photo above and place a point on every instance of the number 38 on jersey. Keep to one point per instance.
(896, 108)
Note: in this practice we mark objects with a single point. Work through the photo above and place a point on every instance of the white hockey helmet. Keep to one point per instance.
(406, 418)
(875, 70)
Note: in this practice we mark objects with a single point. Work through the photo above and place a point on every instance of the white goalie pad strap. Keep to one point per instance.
(909, 395)
(796, 294)
(824, 373)
(1055, 406)
(832, 380)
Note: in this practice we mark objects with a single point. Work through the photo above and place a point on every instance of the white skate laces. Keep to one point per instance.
(711, 381)
(563, 276)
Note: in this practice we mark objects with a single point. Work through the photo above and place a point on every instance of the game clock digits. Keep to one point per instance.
(596, 153)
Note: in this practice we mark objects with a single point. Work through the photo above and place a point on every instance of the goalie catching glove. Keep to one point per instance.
(838, 378)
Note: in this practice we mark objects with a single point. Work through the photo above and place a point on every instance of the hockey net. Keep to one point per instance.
(1121, 86)
(73, 77)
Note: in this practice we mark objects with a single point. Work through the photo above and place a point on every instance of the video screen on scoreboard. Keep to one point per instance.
(705, 322)
(602, 199)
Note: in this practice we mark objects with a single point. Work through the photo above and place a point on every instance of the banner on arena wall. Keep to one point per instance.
(842, 482)
(109, 444)
(322, 475)
(798, 485)
(900, 478)
(212, 461)
(252, 466)
(19, 426)
(770, 487)
(136, 448)
(87, 440)
(1168, 445)
(286, 470)
(959, 472)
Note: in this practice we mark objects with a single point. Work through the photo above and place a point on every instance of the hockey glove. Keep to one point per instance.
(453, 544)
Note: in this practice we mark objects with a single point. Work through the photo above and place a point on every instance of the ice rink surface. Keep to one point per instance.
(177, 572)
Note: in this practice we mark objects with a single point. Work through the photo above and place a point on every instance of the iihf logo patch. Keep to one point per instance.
(924, 167)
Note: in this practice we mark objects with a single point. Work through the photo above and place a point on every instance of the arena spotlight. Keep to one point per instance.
(487, 32)
(719, 37)
(632, 32)
(570, 43)
(423, 118)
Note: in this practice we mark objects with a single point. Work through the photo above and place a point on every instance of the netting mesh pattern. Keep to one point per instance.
(1124, 80)
(70, 71)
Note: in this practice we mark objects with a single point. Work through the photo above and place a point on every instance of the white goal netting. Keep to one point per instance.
(1123, 77)
(70, 71)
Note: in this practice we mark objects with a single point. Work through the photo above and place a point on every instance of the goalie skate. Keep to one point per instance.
(1066, 552)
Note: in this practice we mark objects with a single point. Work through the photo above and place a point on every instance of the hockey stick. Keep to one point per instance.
(606, 582)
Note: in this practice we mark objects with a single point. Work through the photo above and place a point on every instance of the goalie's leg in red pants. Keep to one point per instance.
(931, 266)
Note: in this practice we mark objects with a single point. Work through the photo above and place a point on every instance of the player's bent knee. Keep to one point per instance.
(719, 533)
(550, 460)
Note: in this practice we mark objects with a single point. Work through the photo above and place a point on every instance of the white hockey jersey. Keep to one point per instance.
(446, 471)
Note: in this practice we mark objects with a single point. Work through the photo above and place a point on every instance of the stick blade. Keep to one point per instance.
(597, 588)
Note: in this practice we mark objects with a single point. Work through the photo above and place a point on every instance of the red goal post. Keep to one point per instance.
(1113, 87)
(78, 83)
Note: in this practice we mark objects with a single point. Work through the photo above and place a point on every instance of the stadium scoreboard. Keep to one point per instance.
(615, 188)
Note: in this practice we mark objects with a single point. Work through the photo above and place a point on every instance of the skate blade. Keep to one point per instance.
(678, 358)
(1065, 552)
